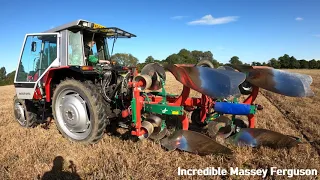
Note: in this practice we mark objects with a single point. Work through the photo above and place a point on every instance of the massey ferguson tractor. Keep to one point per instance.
(54, 77)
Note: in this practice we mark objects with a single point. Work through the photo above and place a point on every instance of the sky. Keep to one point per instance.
(253, 30)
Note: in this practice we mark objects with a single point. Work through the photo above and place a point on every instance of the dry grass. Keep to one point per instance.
(29, 153)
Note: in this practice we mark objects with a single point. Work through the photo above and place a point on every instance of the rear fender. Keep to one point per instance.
(48, 78)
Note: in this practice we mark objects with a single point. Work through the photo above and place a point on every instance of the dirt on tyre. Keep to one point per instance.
(25, 112)
(79, 111)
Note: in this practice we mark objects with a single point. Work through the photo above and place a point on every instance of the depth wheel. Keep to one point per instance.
(245, 88)
(25, 112)
(205, 63)
(79, 111)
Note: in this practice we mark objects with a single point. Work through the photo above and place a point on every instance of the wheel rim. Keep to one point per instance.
(19, 114)
(246, 86)
(72, 114)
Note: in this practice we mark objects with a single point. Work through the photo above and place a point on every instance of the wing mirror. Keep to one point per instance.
(33, 46)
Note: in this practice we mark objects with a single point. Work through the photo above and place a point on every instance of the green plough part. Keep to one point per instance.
(164, 109)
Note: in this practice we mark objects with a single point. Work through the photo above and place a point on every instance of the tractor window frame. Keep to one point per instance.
(54, 62)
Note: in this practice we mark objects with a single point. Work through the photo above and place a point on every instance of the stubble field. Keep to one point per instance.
(40, 153)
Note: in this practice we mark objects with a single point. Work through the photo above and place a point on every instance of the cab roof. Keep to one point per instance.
(94, 28)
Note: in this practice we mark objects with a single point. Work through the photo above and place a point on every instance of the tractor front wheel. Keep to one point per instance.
(25, 112)
(79, 111)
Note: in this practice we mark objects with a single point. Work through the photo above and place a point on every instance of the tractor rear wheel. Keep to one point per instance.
(25, 112)
(79, 111)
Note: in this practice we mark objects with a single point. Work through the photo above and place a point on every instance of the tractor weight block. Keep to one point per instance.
(146, 125)
(145, 80)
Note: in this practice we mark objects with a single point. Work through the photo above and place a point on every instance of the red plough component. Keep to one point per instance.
(204, 103)
(207, 82)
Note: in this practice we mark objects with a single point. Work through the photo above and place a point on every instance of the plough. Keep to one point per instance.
(220, 90)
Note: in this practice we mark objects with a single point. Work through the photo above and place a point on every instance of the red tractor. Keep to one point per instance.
(56, 76)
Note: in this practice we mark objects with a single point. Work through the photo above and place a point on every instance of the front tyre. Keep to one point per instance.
(25, 112)
(79, 111)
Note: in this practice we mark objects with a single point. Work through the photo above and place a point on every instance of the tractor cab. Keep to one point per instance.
(61, 47)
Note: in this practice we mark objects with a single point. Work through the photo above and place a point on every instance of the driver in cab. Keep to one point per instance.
(89, 53)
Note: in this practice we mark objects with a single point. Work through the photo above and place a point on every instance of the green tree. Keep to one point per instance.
(235, 61)
(125, 59)
(274, 63)
(304, 64)
(21, 75)
(10, 77)
(187, 57)
(284, 61)
(215, 63)
(313, 64)
(3, 73)
(174, 59)
(149, 59)
(256, 63)
(208, 55)
(197, 55)
(294, 63)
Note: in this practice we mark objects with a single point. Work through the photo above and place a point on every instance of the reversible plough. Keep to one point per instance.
(58, 74)
(217, 109)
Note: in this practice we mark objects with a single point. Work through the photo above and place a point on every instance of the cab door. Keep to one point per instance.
(39, 53)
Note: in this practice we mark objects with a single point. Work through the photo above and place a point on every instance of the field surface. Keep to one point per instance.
(41, 153)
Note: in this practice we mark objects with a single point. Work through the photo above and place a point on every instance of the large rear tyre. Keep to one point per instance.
(25, 112)
(79, 111)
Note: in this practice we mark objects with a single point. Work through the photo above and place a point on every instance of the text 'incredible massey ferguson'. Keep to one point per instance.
(54, 78)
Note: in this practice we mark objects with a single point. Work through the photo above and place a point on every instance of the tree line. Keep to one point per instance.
(6, 79)
(185, 56)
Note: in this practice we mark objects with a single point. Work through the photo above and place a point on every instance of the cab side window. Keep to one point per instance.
(75, 53)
